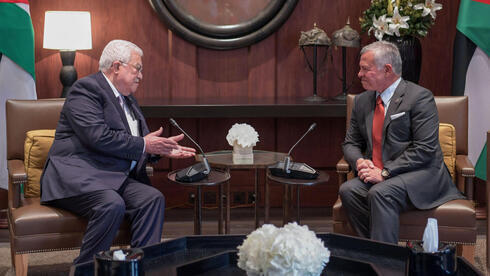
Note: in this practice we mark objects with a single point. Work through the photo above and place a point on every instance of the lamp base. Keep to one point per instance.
(340, 97)
(68, 73)
(315, 98)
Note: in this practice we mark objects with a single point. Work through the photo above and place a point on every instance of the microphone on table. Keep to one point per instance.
(290, 169)
(197, 171)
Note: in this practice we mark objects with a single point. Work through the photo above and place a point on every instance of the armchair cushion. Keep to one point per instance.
(36, 148)
(447, 140)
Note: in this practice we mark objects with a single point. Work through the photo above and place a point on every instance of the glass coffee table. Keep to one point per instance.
(262, 159)
(217, 255)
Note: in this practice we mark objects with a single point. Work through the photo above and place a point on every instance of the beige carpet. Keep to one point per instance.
(50, 263)
(58, 263)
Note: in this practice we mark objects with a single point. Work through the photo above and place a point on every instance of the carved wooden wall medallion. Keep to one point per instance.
(223, 24)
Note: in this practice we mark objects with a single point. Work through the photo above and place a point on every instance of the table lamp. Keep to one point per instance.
(345, 37)
(314, 38)
(67, 31)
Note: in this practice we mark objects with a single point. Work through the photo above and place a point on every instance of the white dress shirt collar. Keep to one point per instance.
(114, 90)
(388, 93)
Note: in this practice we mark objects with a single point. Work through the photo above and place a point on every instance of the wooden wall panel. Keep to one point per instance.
(183, 69)
(320, 148)
(294, 79)
(274, 67)
(262, 69)
(222, 73)
(437, 50)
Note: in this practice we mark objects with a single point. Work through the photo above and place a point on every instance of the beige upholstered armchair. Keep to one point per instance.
(456, 218)
(34, 227)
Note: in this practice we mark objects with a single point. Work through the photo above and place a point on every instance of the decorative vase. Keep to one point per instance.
(411, 53)
(242, 155)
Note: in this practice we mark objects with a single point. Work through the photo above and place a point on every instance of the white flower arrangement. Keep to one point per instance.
(243, 134)
(399, 17)
(290, 250)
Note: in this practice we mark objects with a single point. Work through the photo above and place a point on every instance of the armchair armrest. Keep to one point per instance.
(17, 177)
(343, 168)
(465, 172)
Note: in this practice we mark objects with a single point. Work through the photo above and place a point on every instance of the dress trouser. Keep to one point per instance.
(373, 210)
(141, 204)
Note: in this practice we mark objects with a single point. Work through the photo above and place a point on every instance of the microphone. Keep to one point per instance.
(290, 169)
(197, 171)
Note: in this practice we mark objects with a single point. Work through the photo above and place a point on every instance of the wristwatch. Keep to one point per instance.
(385, 173)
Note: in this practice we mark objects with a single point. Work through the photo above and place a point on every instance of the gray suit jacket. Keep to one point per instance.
(93, 146)
(411, 149)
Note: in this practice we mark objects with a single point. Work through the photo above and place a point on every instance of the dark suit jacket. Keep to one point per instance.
(411, 149)
(93, 146)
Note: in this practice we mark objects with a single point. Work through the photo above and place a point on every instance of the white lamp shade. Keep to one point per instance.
(67, 30)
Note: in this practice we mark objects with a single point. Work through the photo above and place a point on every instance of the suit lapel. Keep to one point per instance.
(110, 94)
(370, 105)
(395, 101)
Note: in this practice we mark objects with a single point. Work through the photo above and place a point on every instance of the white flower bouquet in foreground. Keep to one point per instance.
(290, 250)
(242, 137)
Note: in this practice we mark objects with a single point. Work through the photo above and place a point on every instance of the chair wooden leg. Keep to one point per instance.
(21, 261)
(467, 251)
(12, 255)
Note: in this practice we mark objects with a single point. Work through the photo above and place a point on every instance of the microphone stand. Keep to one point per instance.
(287, 160)
(204, 159)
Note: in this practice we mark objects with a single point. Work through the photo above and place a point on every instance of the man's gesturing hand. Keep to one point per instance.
(181, 151)
(154, 144)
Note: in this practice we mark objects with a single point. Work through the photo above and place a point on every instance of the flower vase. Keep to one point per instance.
(411, 53)
(242, 155)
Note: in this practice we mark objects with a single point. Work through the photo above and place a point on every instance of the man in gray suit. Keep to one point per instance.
(393, 146)
(96, 167)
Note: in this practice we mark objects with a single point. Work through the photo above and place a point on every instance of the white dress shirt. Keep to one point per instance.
(131, 118)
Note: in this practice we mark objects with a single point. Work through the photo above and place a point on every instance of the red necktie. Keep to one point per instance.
(378, 119)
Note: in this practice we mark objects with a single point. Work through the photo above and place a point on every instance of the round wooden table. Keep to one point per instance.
(215, 177)
(289, 184)
(262, 159)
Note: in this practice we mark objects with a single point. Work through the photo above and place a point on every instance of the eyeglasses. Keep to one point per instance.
(137, 67)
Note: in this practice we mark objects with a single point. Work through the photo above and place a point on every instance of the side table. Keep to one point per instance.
(289, 183)
(262, 159)
(215, 177)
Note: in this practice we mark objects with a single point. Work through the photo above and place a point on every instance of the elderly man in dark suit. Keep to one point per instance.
(393, 145)
(96, 165)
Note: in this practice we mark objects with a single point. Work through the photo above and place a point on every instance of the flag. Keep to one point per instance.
(471, 75)
(17, 78)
